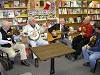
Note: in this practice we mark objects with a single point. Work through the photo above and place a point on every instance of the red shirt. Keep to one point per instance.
(87, 29)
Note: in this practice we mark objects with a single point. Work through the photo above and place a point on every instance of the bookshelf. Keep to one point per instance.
(15, 10)
(71, 11)
(74, 11)
(94, 10)
(37, 10)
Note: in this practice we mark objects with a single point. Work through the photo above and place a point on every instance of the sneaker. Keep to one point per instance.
(25, 63)
(86, 64)
(12, 62)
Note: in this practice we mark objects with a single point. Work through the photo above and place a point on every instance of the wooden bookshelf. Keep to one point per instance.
(14, 9)
(71, 9)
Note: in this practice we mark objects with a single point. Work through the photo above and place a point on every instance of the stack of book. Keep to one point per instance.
(73, 20)
(70, 3)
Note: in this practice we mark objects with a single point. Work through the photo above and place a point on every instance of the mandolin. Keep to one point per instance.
(92, 41)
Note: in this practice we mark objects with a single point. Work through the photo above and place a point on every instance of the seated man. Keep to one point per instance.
(34, 31)
(8, 45)
(64, 31)
(92, 52)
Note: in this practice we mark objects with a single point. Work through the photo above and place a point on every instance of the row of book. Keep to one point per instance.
(93, 11)
(70, 3)
(12, 3)
(73, 20)
(70, 11)
(42, 14)
(78, 11)
(85, 3)
(12, 13)
(96, 17)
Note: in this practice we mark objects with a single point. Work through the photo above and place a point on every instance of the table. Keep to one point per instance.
(50, 52)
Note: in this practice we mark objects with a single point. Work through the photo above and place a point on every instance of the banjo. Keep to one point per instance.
(35, 36)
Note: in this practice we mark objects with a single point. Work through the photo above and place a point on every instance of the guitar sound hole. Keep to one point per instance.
(54, 36)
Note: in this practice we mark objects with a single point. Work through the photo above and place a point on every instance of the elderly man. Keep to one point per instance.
(8, 45)
(33, 30)
(91, 54)
(86, 31)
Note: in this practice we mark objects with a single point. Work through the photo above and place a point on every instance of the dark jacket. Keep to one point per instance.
(5, 36)
(64, 30)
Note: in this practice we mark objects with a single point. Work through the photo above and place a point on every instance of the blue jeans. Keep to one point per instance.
(90, 56)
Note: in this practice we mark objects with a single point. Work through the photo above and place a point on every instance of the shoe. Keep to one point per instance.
(23, 62)
(86, 64)
(69, 57)
(92, 70)
(12, 62)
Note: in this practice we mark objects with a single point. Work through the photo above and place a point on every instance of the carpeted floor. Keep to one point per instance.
(62, 67)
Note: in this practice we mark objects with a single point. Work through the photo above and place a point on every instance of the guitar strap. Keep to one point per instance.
(33, 26)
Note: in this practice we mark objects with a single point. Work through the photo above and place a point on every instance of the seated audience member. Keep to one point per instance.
(8, 44)
(64, 31)
(92, 52)
(86, 31)
(33, 31)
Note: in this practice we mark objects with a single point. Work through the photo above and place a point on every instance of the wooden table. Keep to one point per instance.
(50, 52)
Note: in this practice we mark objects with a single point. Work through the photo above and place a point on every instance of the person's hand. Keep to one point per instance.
(82, 33)
(72, 32)
(54, 33)
(87, 46)
(92, 38)
(10, 42)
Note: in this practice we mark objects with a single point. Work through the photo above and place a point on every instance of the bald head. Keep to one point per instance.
(7, 23)
(32, 21)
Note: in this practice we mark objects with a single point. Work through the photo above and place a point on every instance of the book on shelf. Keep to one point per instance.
(22, 4)
(21, 13)
(8, 4)
(5, 14)
(94, 17)
(85, 3)
(75, 3)
(1, 13)
(16, 4)
(98, 17)
(70, 11)
(11, 14)
(85, 11)
(76, 11)
(1, 5)
(70, 3)
(8, 13)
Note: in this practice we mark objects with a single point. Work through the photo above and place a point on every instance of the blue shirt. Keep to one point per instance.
(96, 47)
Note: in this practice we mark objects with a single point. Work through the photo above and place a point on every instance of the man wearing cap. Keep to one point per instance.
(33, 30)
(91, 54)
